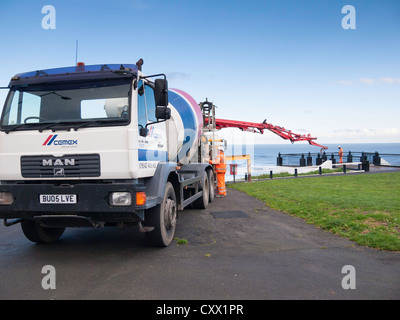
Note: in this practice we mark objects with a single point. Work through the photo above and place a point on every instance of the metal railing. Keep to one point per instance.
(309, 159)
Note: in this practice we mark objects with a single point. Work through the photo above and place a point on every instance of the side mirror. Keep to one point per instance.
(143, 132)
(161, 92)
(163, 113)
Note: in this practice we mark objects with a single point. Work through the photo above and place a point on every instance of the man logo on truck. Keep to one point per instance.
(58, 162)
(51, 140)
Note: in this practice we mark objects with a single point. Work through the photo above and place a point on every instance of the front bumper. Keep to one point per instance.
(92, 200)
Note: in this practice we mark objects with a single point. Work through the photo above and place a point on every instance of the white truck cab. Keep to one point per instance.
(88, 146)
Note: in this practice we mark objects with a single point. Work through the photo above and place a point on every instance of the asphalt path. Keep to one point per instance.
(258, 255)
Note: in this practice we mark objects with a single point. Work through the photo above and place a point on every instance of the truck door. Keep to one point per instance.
(152, 135)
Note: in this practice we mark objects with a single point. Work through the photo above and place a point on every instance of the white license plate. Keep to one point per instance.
(57, 199)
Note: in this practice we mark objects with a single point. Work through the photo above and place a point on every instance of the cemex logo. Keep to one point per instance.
(52, 140)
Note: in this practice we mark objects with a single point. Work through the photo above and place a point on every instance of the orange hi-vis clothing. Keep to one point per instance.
(220, 170)
(340, 155)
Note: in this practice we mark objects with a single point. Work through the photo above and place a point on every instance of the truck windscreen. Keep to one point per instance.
(82, 104)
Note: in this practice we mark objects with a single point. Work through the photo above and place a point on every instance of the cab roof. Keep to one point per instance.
(73, 73)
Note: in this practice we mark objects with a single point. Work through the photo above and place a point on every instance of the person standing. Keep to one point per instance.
(340, 154)
(220, 170)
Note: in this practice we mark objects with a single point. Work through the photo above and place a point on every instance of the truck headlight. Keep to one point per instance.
(120, 199)
(6, 198)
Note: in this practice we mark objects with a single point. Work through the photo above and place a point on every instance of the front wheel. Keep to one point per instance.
(36, 233)
(163, 218)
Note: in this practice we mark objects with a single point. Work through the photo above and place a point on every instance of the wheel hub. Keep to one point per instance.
(170, 214)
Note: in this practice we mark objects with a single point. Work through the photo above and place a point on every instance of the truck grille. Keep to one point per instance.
(80, 165)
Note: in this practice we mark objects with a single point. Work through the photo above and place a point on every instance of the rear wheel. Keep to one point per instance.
(163, 218)
(212, 187)
(39, 234)
(202, 202)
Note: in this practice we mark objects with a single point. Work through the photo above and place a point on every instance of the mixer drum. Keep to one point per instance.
(184, 128)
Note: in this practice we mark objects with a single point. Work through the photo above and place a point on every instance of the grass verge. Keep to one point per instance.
(363, 208)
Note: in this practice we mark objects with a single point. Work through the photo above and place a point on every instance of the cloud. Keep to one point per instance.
(386, 132)
(362, 135)
(341, 131)
(366, 80)
(390, 80)
(370, 81)
(344, 82)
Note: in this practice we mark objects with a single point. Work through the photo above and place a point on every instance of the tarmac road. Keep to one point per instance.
(264, 255)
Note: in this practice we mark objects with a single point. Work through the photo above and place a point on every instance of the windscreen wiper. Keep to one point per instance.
(43, 127)
(84, 124)
(13, 128)
(68, 126)
(62, 125)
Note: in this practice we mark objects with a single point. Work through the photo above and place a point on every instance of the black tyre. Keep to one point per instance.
(36, 233)
(163, 218)
(212, 187)
(202, 202)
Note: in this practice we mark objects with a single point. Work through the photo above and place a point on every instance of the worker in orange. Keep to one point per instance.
(340, 154)
(220, 170)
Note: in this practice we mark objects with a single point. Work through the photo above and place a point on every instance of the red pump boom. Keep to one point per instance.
(260, 127)
(210, 122)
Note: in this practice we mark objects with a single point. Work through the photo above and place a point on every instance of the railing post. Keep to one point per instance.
(318, 161)
(279, 160)
(333, 159)
(377, 159)
(302, 161)
(309, 160)
(363, 157)
(365, 165)
(349, 157)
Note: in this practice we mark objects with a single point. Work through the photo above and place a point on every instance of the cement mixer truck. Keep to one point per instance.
(100, 145)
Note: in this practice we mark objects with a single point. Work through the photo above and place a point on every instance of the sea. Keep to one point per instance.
(263, 157)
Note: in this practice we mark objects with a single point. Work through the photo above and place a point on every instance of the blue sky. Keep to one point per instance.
(287, 61)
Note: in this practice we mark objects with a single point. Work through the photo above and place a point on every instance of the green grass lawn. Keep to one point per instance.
(363, 208)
